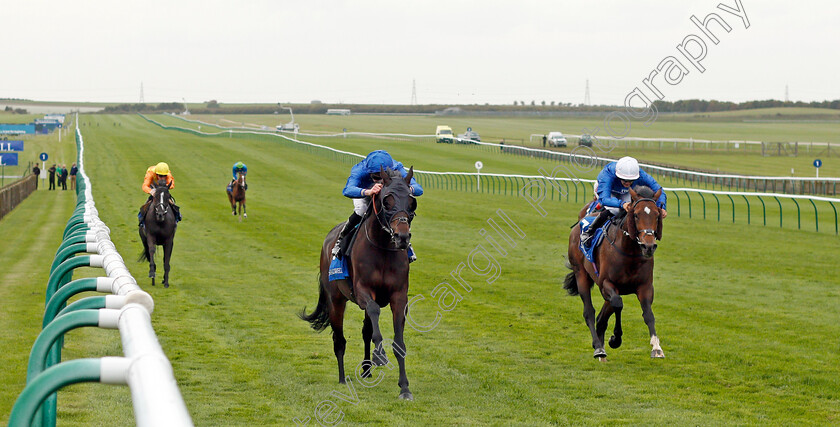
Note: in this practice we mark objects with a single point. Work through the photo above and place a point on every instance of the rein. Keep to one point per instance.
(387, 229)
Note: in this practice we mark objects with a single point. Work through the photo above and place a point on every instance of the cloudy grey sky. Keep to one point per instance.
(369, 51)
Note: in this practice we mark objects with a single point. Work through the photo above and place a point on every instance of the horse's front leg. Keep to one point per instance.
(612, 297)
(645, 295)
(167, 254)
(372, 311)
(602, 320)
(244, 211)
(398, 303)
(232, 203)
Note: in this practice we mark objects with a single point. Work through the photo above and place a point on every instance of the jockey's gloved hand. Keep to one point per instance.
(152, 192)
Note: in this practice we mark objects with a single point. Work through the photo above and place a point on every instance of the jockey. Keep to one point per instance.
(154, 174)
(613, 191)
(238, 167)
(365, 182)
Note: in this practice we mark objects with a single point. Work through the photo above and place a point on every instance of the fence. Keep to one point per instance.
(144, 367)
(671, 175)
(570, 189)
(13, 194)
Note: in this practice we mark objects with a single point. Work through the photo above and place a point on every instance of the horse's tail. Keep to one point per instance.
(145, 255)
(320, 318)
(570, 283)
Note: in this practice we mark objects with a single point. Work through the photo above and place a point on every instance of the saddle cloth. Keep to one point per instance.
(592, 244)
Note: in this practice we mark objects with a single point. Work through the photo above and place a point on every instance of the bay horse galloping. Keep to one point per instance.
(237, 195)
(158, 229)
(378, 270)
(624, 266)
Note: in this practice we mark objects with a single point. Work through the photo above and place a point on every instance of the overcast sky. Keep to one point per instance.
(370, 51)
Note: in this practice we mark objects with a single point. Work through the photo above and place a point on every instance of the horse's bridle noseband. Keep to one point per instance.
(646, 231)
(386, 227)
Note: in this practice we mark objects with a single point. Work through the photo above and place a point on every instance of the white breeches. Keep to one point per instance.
(623, 197)
(360, 206)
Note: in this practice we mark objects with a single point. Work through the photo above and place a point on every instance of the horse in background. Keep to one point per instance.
(624, 266)
(378, 268)
(236, 195)
(158, 230)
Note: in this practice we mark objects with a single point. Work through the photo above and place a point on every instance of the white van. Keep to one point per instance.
(556, 139)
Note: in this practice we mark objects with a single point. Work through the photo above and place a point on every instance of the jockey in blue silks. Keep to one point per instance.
(365, 182)
(238, 167)
(613, 191)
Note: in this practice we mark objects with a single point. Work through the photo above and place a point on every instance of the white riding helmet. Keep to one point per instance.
(627, 168)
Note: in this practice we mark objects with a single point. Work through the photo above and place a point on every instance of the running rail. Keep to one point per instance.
(144, 367)
(537, 188)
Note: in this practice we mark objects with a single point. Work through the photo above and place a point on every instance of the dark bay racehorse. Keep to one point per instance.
(378, 277)
(158, 230)
(237, 195)
(624, 266)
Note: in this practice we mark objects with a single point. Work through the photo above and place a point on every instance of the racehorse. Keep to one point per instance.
(158, 230)
(237, 195)
(624, 266)
(378, 277)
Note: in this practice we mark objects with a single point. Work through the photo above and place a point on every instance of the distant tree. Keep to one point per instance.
(533, 102)
(543, 103)
(552, 103)
(212, 104)
(514, 104)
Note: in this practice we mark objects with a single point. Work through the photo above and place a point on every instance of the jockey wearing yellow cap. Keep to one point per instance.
(154, 174)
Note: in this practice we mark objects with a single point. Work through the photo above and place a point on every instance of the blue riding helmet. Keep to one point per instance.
(378, 160)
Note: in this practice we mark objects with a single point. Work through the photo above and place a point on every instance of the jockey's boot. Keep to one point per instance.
(142, 214)
(412, 256)
(602, 217)
(351, 223)
(177, 212)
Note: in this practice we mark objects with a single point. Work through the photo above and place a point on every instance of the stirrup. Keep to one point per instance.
(336, 248)
(585, 238)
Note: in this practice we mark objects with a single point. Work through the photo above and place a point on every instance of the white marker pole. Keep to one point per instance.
(478, 166)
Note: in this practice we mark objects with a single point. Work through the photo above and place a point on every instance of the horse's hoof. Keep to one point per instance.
(600, 354)
(245, 215)
(234, 214)
(166, 285)
(615, 342)
(657, 354)
(379, 358)
(367, 367)
(406, 395)
(153, 281)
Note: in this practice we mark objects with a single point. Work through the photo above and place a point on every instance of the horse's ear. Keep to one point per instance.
(657, 194)
(633, 195)
(658, 233)
(409, 175)
(386, 177)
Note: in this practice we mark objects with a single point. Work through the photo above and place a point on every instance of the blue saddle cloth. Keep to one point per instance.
(230, 188)
(592, 244)
(338, 269)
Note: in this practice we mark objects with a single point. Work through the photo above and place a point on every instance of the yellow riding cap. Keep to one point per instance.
(162, 169)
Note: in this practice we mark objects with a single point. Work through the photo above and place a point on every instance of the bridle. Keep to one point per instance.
(646, 231)
(386, 226)
(161, 203)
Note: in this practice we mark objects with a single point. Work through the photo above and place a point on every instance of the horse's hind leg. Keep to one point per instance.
(152, 248)
(232, 203)
(244, 211)
(338, 304)
(367, 334)
(167, 253)
(645, 295)
(584, 285)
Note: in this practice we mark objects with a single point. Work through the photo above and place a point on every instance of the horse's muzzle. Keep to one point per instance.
(401, 240)
(648, 250)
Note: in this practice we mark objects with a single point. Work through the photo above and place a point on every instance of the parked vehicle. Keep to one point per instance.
(585, 140)
(469, 137)
(556, 139)
(444, 134)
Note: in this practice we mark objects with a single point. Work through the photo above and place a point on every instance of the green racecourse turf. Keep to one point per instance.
(517, 130)
(748, 329)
